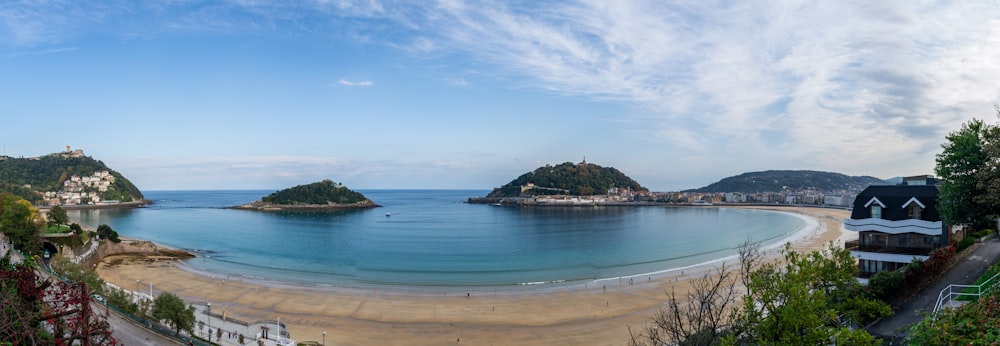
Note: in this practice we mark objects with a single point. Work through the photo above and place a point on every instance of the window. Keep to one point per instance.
(932, 240)
(876, 211)
(914, 211)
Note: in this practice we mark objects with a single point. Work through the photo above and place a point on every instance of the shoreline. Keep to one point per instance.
(589, 312)
(122, 205)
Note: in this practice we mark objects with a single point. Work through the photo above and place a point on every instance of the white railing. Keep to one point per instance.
(958, 290)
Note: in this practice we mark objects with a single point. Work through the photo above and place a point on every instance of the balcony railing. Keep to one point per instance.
(856, 245)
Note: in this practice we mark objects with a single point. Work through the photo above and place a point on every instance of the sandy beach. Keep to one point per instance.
(595, 313)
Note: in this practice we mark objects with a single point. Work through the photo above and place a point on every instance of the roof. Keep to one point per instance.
(895, 197)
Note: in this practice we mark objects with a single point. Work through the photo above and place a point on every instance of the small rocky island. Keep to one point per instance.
(567, 184)
(323, 195)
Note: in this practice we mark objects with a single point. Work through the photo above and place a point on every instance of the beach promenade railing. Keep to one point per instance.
(950, 293)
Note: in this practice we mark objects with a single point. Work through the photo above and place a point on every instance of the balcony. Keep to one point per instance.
(855, 245)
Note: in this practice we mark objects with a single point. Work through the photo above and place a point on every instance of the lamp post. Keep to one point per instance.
(324, 338)
(208, 313)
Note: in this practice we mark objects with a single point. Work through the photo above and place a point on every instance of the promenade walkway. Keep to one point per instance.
(966, 272)
(231, 330)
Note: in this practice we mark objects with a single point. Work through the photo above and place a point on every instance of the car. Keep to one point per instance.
(98, 298)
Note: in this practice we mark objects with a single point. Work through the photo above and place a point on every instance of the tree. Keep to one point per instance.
(74, 272)
(988, 176)
(806, 301)
(105, 232)
(958, 168)
(19, 221)
(699, 318)
(170, 308)
(57, 216)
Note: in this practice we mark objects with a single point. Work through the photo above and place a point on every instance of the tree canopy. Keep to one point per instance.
(105, 232)
(582, 179)
(803, 299)
(20, 222)
(318, 193)
(969, 175)
(168, 307)
(807, 301)
(57, 216)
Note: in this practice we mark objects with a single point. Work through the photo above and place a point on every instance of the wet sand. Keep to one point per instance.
(594, 313)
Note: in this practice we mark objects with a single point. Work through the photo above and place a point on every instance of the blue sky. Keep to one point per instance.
(454, 94)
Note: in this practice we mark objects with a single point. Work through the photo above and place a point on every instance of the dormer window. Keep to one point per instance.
(914, 209)
(875, 206)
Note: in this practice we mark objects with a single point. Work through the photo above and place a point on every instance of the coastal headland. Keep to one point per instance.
(591, 313)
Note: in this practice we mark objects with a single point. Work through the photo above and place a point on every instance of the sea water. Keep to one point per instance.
(422, 238)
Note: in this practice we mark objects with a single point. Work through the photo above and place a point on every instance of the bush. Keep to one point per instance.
(966, 243)
(122, 300)
(938, 259)
(885, 284)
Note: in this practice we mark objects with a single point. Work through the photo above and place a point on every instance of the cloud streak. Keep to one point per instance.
(842, 83)
(359, 83)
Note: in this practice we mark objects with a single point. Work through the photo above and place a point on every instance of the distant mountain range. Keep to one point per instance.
(794, 180)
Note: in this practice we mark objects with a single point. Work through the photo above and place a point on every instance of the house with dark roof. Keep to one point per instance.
(896, 224)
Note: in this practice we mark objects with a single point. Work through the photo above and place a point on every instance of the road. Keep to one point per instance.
(123, 329)
(128, 332)
(894, 328)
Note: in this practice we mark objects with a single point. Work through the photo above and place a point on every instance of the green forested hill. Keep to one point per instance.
(319, 193)
(47, 173)
(582, 179)
(776, 181)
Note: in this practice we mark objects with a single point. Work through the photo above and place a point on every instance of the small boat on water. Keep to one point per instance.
(387, 214)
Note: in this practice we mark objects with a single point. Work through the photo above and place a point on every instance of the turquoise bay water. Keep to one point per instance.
(433, 238)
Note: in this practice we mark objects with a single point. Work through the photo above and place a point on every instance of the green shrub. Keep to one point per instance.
(965, 243)
(885, 284)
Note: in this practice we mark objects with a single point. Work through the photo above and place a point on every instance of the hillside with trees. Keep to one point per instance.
(29, 178)
(583, 179)
(796, 180)
(325, 194)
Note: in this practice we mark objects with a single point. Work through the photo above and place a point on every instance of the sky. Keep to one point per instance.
(452, 94)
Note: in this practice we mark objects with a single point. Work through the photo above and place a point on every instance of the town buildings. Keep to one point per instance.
(79, 190)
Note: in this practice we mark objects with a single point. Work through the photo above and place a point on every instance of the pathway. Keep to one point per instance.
(964, 273)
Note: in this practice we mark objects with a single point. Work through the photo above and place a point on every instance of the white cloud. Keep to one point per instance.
(827, 84)
(363, 83)
(871, 86)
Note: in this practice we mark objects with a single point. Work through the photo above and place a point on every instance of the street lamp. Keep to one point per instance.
(324, 338)
(209, 314)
